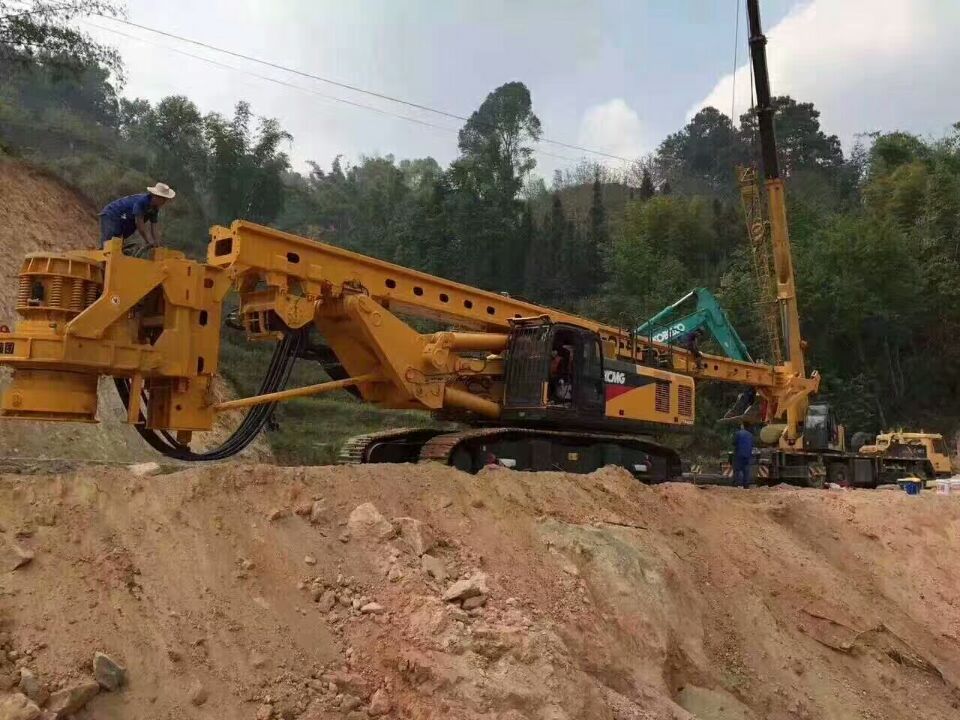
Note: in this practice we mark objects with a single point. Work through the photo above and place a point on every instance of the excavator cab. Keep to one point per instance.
(821, 431)
(553, 370)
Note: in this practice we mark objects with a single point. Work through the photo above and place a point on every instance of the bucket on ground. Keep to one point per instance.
(910, 485)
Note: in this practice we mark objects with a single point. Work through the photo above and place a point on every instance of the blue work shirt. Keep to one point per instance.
(743, 445)
(124, 211)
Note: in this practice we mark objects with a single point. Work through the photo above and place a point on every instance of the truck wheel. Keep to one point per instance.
(815, 475)
(838, 473)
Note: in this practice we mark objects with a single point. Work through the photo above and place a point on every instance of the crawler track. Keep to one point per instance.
(521, 448)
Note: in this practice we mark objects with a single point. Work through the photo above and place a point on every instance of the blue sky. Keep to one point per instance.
(617, 76)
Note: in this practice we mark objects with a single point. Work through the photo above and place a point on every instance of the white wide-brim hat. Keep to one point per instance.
(162, 190)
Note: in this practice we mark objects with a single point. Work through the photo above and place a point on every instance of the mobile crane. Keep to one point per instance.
(153, 326)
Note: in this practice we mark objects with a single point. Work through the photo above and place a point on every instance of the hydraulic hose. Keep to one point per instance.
(276, 378)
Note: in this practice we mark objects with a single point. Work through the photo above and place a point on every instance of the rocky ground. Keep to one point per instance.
(240, 591)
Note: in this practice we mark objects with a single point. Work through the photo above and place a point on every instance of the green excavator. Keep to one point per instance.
(666, 327)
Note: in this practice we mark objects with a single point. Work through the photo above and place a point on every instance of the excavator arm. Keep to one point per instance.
(667, 328)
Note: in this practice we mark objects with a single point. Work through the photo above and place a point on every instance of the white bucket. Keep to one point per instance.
(944, 486)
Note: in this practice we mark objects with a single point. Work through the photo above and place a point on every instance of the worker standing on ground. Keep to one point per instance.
(135, 213)
(742, 455)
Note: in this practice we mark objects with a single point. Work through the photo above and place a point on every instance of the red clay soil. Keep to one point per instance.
(262, 592)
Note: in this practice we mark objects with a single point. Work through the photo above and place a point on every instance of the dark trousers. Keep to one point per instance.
(741, 473)
(110, 228)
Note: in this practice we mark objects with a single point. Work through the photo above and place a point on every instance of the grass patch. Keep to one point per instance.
(310, 431)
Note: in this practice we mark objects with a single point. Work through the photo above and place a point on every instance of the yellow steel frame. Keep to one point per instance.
(157, 322)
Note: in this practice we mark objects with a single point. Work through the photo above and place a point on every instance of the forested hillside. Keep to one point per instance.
(876, 230)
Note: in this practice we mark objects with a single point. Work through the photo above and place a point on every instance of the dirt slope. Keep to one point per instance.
(605, 599)
(38, 212)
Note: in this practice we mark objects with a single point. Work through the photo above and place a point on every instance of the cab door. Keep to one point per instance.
(528, 361)
(588, 387)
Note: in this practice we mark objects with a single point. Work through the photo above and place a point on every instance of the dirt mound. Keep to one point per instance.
(41, 213)
(420, 592)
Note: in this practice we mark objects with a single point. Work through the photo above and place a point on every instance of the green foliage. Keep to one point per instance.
(40, 32)
(801, 143)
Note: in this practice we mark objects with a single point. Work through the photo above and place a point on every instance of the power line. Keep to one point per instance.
(283, 83)
(346, 86)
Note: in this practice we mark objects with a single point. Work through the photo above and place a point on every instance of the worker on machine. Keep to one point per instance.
(691, 343)
(742, 456)
(559, 388)
(135, 213)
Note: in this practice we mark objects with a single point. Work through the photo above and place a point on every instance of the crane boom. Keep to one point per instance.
(777, 214)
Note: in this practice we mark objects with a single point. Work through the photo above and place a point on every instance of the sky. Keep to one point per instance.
(611, 76)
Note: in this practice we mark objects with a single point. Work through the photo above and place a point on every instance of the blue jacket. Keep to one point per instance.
(124, 211)
(743, 445)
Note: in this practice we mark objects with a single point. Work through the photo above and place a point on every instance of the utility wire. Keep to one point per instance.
(284, 83)
(346, 86)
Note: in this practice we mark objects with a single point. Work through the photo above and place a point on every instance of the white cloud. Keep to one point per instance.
(613, 127)
(866, 64)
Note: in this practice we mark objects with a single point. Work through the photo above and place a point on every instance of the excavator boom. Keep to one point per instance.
(707, 314)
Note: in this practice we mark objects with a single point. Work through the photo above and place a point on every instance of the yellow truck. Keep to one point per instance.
(901, 445)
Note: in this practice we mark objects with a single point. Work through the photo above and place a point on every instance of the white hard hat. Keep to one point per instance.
(162, 190)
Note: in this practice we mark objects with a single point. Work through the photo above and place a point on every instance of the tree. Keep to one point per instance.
(496, 154)
(246, 169)
(701, 156)
(801, 143)
(175, 128)
(646, 186)
(597, 239)
(42, 34)
(495, 144)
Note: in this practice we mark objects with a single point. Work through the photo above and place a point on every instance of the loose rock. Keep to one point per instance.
(198, 693)
(144, 469)
(30, 686)
(73, 698)
(257, 659)
(462, 589)
(379, 704)
(15, 556)
(372, 608)
(434, 567)
(415, 536)
(18, 707)
(264, 712)
(327, 601)
(350, 702)
(477, 601)
(309, 559)
(366, 521)
(317, 512)
(107, 672)
(277, 514)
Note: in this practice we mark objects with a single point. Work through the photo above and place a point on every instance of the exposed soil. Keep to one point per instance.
(255, 591)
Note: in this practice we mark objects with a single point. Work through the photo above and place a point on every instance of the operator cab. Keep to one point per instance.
(553, 371)
(821, 431)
